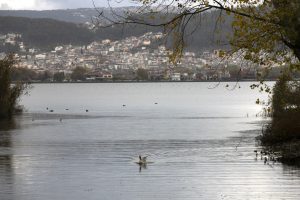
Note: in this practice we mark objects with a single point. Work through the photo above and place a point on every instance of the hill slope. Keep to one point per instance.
(80, 15)
(47, 33)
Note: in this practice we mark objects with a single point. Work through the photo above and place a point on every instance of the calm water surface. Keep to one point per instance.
(200, 142)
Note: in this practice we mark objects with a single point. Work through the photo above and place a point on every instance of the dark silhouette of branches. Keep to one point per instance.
(9, 94)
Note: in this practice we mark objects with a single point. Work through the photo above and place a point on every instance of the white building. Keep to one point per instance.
(175, 77)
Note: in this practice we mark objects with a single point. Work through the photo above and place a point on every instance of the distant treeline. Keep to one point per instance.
(48, 33)
(81, 74)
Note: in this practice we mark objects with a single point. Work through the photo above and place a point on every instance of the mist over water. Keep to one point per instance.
(199, 142)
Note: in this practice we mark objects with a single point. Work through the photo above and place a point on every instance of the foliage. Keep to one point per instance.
(44, 33)
(265, 30)
(272, 35)
(142, 74)
(9, 94)
(45, 76)
(79, 73)
(234, 71)
(23, 74)
(285, 112)
(59, 76)
(69, 33)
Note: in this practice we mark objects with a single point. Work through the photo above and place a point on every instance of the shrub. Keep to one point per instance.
(9, 93)
(285, 124)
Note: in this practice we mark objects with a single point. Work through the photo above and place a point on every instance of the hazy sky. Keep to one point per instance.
(58, 4)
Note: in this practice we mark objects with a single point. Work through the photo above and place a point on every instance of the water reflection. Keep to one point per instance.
(142, 166)
(291, 171)
(197, 152)
(6, 161)
(6, 125)
(46, 161)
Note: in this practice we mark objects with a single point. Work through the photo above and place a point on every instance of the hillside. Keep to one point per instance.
(79, 16)
(46, 33)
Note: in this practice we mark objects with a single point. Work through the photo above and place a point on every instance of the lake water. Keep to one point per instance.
(199, 142)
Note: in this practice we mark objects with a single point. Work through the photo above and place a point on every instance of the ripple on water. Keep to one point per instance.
(179, 169)
(195, 148)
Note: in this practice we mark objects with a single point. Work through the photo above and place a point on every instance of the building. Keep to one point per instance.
(175, 77)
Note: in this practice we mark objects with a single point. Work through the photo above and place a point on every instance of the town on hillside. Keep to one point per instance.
(143, 58)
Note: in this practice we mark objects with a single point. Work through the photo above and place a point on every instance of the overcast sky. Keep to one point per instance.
(58, 4)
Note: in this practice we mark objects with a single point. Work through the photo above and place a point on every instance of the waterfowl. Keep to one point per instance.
(142, 160)
(265, 160)
(256, 154)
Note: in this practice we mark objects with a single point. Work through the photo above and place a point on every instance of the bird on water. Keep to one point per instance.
(142, 160)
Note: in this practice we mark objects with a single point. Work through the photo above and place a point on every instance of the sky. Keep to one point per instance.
(59, 4)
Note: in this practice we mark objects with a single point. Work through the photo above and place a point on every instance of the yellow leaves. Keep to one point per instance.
(177, 47)
(256, 28)
(295, 67)
(260, 39)
(248, 56)
(222, 53)
(206, 3)
(257, 101)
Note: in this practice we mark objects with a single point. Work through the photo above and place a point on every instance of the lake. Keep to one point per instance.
(199, 140)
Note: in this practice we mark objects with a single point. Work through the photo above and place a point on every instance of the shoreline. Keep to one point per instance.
(288, 151)
(76, 82)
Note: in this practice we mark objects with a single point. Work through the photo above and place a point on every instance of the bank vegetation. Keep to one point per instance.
(9, 93)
